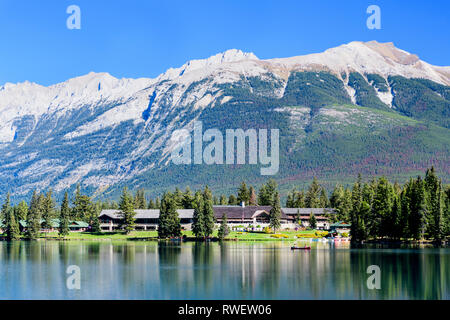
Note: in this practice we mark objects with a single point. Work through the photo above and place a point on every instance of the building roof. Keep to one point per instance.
(232, 212)
(341, 224)
(239, 212)
(55, 223)
(308, 211)
(147, 213)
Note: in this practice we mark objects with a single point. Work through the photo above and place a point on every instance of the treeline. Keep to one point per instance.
(420, 209)
(203, 224)
(42, 211)
(375, 209)
(379, 209)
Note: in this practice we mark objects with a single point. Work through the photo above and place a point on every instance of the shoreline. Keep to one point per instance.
(241, 237)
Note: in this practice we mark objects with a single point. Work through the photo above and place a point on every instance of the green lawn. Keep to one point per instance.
(152, 235)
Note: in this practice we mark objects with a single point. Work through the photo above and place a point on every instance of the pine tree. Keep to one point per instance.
(169, 222)
(396, 229)
(96, 222)
(223, 200)
(341, 200)
(381, 209)
(208, 213)
(5, 209)
(418, 210)
(299, 199)
(22, 211)
(323, 199)
(355, 217)
(298, 218)
(151, 204)
(232, 200)
(188, 199)
(34, 217)
(435, 204)
(253, 201)
(48, 207)
(275, 213)
(64, 217)
(267, 192)
(223, 229)
(290, 199)
(157, 203)
(263, 198)
(312, 221)
(127, 211)
(178, 197)
(312, 199)
(243, 194)
(12, 228)
(139, 199)
(198, 222)
(446, 215)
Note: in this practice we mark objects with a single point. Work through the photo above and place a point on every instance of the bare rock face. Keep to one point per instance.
(101, 131)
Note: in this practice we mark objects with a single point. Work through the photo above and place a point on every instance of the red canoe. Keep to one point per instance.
(300, 248)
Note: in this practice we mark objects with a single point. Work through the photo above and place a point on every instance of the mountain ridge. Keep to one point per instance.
(103, 131)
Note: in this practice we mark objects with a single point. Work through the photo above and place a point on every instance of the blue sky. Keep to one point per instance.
(143, 38)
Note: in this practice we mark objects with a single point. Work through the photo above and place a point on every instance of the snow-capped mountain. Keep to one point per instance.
(101, 131)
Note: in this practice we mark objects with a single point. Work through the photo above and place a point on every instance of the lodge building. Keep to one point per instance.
(238, 217)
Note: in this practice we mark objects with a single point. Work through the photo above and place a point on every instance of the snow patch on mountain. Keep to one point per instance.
(368, 57)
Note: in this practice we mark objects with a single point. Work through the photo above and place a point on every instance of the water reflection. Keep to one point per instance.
(231, 270)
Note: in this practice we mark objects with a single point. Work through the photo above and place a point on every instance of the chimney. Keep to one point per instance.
(243, 204)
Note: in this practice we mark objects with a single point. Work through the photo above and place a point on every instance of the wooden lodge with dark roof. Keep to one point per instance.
(256, 217)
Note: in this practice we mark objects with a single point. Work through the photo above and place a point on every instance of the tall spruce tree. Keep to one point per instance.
(12, 228)
(223, 200)
(312, 221)
(169, 223)
(34, 217)
(243, 194)
(64, 216)
(232, 201)
(290, 199)
(253, 200)
(446, 215)
(48, 209)
(381, 208)
(151, 204)
(275, 213)
(208, 212)
(312, 198)
(435, 204)
(198, 222)
(323, 199)
(22, 211)
(188, 199)
(127, 213)
(418, 210)
(5, 207)
(355, 212)
(299, 199)
(139, 199)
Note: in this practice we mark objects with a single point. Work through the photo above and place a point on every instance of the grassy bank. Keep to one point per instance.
(153, 235)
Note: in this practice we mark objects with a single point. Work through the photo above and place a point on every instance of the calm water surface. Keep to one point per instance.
(237, 270)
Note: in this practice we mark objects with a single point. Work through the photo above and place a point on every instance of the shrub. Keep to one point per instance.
(279, 236)
(267, 230)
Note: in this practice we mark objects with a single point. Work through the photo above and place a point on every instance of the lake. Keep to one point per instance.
(232, 270)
